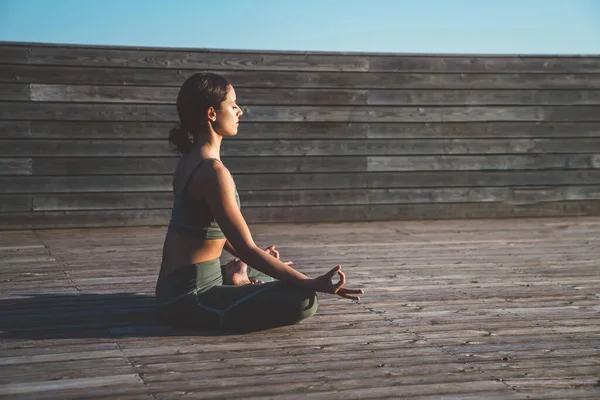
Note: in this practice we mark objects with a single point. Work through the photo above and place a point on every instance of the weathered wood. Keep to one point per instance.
(168, 95)
(15, 166)
(453, 309)
(16, 202)
(14, 91)
(110, 218)
(291, 148)
(164, 113)
(293, 198)
(277, 60)
(197, 60)
(163, 183)
(356, 80)
(166, 165)
(422, 211)
(381, 128)
(306, 130)
(14, 54)
(482, 162)
(14, 130)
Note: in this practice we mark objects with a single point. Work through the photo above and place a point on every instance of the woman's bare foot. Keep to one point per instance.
(236, 273)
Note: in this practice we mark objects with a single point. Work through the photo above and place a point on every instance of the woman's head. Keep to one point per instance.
(205, 101)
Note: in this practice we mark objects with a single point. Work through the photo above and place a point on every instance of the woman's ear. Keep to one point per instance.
(211, 114)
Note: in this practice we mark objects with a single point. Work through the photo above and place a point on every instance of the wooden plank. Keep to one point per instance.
(168, 95)
(320, 61)
(311, 130)
(14, 130)
(483, 162)
(63, 184)
(299, 181)
(194, 59)
(15, 166)
(66, 384)
(277, 96)
(164, 165)
(71, 219)
(287, 79)
(16, 202)
(421, 211)
(164, 113)
(297, 148)
(114, 218)
(431, 63)
(14, 91)
(86, 75)
(418, 114)
(292, 198)
(14, 54)
(479, 97)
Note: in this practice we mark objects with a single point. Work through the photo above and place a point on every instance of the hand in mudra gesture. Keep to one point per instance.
(325, 284)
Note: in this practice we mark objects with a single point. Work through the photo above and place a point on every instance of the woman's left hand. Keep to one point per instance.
(275, 253)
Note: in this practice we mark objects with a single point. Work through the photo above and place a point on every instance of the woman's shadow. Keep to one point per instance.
(111, 315)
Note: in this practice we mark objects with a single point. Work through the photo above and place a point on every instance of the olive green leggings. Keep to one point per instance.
(194, 296)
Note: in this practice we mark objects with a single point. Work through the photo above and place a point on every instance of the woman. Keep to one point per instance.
(193, 289)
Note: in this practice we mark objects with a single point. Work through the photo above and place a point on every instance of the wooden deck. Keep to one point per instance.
(469, 309)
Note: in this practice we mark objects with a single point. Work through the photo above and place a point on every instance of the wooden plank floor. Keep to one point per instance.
(469, 309)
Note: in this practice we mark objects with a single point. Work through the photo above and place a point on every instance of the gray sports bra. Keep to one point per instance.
(193, 217)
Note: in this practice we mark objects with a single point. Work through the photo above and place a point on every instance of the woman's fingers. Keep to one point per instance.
(271, 250)
(350, 293)
(348, 296)
(333, 271)
(341, 283)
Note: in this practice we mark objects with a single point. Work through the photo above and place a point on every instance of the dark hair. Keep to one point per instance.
(199, 92)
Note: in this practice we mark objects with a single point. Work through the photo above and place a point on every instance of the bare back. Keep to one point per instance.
(180, 249)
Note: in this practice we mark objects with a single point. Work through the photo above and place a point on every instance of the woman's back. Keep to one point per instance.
(190, 241)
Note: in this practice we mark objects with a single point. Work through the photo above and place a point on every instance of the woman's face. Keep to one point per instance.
(228, 115)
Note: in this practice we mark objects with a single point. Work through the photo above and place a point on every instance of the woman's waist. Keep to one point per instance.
(188, 279)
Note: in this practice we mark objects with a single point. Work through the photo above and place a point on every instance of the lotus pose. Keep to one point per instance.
(193, 289)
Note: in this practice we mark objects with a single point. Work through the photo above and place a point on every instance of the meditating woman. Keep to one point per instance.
(193, 289)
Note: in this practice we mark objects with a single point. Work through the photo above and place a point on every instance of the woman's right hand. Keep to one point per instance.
(324, 284)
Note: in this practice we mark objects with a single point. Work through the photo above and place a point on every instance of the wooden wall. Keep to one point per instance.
(325, 136)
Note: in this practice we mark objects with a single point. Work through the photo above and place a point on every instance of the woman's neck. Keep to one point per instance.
(208, 145)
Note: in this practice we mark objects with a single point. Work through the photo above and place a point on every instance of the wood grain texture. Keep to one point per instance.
(15, 166)
(452, 309)
(293, 198)
(298, 148)
(333, 80)
(84, 127)
(16, 202)
(14, 130)
(14, 92)
(14, 54)
(308, 181)
(336, 213)
(164, 113)
(278, 60)
(305, 130)
(276, 96)
(238, 165)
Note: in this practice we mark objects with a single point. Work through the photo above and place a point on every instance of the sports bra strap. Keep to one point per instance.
(189, 177)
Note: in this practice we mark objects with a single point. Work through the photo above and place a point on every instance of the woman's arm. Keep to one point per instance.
(219, 192)
(229, 248)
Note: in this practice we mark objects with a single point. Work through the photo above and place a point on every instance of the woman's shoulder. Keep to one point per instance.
(211, 172)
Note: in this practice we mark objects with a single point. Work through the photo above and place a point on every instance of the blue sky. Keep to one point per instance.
(394, 26)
